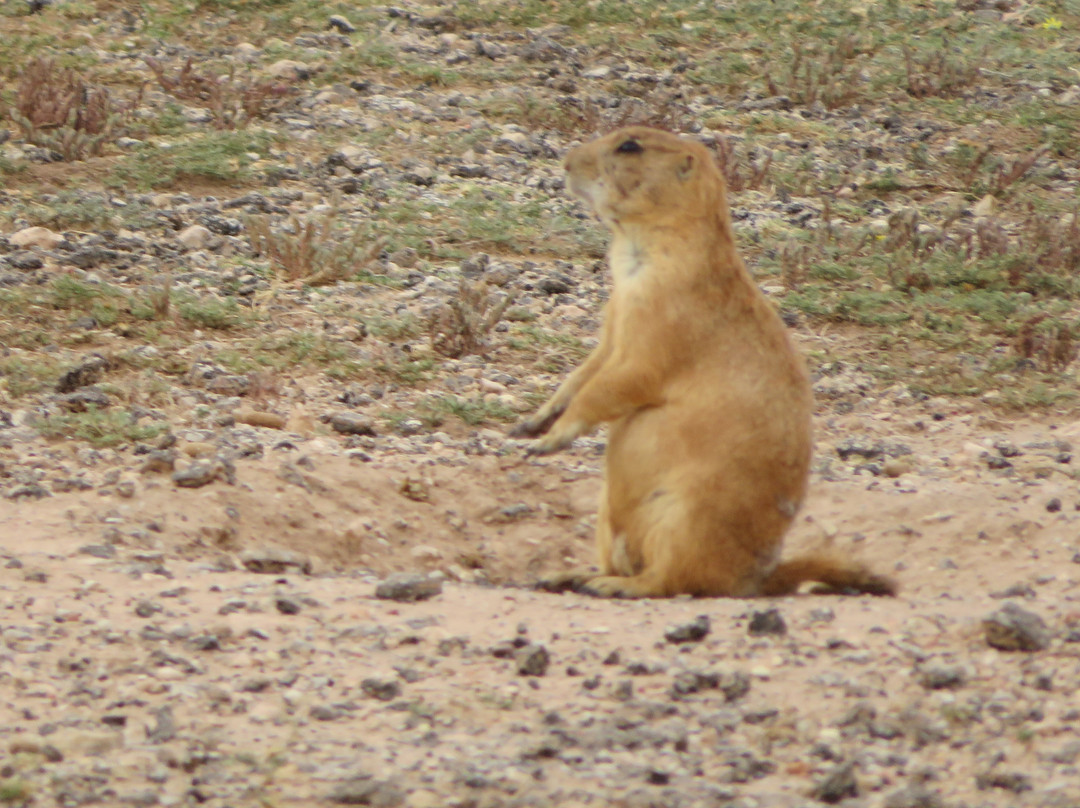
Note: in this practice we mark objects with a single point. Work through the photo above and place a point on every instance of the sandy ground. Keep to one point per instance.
(167, 673)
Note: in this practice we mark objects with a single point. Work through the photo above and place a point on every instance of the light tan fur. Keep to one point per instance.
(707, 401)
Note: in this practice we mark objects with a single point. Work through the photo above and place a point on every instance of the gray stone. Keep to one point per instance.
(195, 237)
(82, 400)
(1012, 628)
(351, 423)
(408, 588)
(275, 561)
(381, 689)
(341, 23)
(767, 622)
(287, 605)
(837, 784)
(366, 791)
(198, 474)
(532, 660)
(942, 677)
(694, 631)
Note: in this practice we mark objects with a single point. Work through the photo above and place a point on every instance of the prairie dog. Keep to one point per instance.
(708, 403)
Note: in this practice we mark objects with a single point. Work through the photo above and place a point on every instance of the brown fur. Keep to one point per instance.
(707, 401)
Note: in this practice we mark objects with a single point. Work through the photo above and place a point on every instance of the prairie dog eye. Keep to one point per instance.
(630, 147)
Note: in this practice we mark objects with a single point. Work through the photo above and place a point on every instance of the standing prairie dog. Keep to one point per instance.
(708, 403)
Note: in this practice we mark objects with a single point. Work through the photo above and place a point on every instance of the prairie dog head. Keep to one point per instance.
(642, 176)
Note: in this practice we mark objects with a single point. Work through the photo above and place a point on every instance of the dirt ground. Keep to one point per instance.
(145, 664)
(250, 372)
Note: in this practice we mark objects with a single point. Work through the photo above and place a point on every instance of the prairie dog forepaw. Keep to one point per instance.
(572, 581)
(535, 426)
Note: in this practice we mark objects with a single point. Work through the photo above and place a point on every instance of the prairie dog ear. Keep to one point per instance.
(685, 167)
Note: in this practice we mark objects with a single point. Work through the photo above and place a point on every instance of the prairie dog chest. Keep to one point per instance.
(628, 264)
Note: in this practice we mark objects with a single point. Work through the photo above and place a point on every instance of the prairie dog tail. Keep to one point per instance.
(839, 576)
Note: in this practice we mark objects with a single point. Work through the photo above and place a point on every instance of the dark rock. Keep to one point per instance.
(532, 660)
(767, 622)
(1006, 449)
(28, 491)
(469, 171)
(1012, 628)
(147, 608)
(366, 791)
(222, 225)
(275, 561)
(408, 588)
(341, 24)
(286, 605)
(861, 448)
(1054, 505)
(915, 795)
(159, 461)
(1015, 591)
(98, 550)
(733, 684)
(351, 423)
(557, 285)
(694, 631)
(89, 372)
(25, 260)
(206, 642)
(82, 400)
(1016, 782)
(228, 385)
(381, 689)
(198, 474)
(838, 783)
(164, 725)
(324, 712)
(943, 677)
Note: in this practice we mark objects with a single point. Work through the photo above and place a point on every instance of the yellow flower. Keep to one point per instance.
(1051, 23)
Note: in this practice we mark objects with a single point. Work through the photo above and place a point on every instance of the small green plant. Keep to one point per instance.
(20, 376)
(473, 412)
(220, 156)
(410, 372)
(98, 427)
(208, 311)
(15, 790)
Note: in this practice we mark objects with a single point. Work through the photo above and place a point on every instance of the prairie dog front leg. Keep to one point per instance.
(543, 419)
(622, 385)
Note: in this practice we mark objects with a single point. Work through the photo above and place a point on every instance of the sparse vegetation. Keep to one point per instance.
(56, 108)
(316, 250)
(461, 324)
(902, 172)
(231, 102)
(98, 427)
(341, 289)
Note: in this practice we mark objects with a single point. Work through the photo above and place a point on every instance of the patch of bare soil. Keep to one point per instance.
(160, 648)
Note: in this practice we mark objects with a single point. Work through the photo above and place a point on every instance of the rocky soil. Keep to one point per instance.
(264, 540)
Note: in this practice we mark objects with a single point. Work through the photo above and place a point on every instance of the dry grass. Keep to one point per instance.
(312, 250)
(740, 172)
(232, 103)
(941, 74)
(1051, 343)
(461, 325)
(830, 78)
(59, 109)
